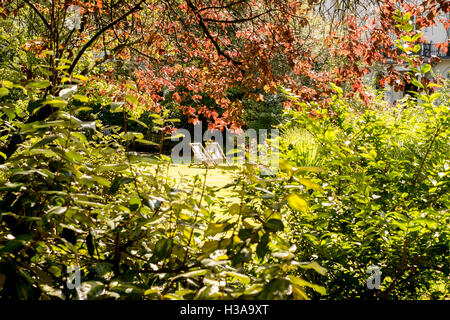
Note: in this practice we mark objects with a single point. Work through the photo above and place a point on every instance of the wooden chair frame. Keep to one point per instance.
(209, 148)
(202, 155)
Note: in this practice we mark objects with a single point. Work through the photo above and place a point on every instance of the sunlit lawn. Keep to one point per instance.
(217, 178)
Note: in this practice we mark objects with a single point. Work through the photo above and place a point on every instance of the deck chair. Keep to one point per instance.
(201, 154)
(216, 153)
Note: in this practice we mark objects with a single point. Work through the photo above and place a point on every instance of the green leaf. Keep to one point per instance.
(192, 274)
(433, 85)
(42, 172)
(9, 186)
(81, 98)
(177, 136)
(298, 293)
(336, 89)
(113, 167)
(262, 248)
(302, 283)
(406, 17)
(245, 234)
(308, 169)
(241, 277)
(162, 249)
(296, 202)
(74, 156)
(235, 209)
(116, 107)
(415, 82)
(406, 38)
(3, 92)
(55, 271)
(286, 166)
(132, 99)
(309, 184)
(80, 77)
(435, 96)
(9, 111)
(428, 222)
(58, 210)
(7, 84)
(38, 84)
(62, 67)
(148, 142)
(416, 48)
(101, 180)
(44, 141)
(80, 109)
(408, 27)
(315, 266)
(425, 68)
(58, 103)
(139, 122)
(214, 228)
(416, 37)
(210, 246)
(92, 290)
(158, 121)
(276, 289)
(274, 225)
(135, 202)
(46, 124)
(16, 243)
(119, 181)
(46, 152)
(131, 135)
(90, 204)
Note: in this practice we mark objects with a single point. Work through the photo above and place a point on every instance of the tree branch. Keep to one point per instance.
(237, 20)
(100, 32)
(222, 7)
(47, 25)
(211, 38)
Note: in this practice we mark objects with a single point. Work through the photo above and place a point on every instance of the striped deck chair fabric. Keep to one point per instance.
(201, 154)
(216, 153)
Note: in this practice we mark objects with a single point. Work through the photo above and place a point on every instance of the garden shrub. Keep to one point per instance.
(383, 198)
(69, 202)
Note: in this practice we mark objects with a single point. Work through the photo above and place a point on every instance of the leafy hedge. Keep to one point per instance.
(383, 198)
(68, 201)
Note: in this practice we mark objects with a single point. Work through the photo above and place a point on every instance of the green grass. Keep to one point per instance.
(217, 178)
(182, 174)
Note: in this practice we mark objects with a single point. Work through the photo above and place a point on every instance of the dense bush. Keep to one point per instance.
(383, 199)
(299, 146)
(67, 200)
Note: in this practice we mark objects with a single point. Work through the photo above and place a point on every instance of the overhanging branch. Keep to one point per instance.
(222, 7)
(211, 38)
(100, 32)
(237, 20)
(47, 25)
